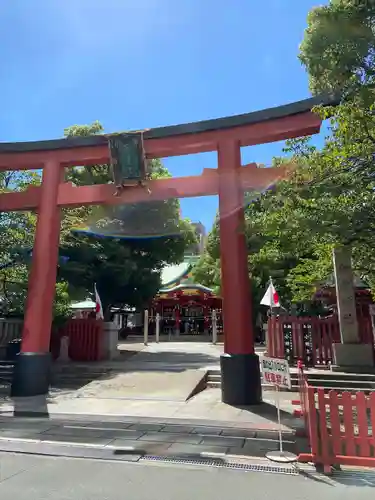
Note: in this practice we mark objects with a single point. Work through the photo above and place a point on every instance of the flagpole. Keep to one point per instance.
(271, 296)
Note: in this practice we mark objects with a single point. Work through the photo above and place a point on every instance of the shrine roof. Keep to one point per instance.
(85, 304)
(175, 272)
(186, 286)
(215, 124)
(357, 282)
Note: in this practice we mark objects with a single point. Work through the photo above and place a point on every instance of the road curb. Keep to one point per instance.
(111, 453)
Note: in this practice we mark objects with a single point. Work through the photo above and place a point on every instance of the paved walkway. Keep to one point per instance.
(142, 436)
(156, 382)
(158, 372)
(143, 405)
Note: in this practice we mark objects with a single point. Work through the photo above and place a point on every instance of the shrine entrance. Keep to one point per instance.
(186, 309)
(192, 319)
(241, 383)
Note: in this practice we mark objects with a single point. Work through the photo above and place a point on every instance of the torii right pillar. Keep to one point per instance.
(240, 371)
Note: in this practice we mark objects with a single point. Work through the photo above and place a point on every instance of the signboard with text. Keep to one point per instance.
(276, 372)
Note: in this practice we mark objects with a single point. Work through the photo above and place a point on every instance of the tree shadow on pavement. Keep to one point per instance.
(358, 478)
(170, 360)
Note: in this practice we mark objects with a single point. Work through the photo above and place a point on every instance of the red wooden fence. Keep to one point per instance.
(85, 339)
(340, 426)
(309, 339)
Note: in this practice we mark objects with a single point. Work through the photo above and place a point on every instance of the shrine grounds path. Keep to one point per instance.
(141, 406)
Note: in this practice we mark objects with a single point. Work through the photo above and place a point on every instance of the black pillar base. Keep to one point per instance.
(240, 379)
(31, 375)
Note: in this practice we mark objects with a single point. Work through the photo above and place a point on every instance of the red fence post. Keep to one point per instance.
(280, 352)
(270, 337)
(340, 428)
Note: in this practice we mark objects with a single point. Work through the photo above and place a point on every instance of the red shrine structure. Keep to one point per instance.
(184, 306)
(241, 383)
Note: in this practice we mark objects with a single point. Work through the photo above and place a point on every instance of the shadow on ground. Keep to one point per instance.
(269, 412)
(170, 361)
(72, 376)
(358, 478)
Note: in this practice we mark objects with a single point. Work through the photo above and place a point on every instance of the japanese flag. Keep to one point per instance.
(271, 297)
(98, 305)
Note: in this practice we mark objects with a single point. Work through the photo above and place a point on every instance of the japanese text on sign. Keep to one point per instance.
(276, 372)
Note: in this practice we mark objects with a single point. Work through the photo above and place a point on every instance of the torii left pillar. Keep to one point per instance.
(32, 367)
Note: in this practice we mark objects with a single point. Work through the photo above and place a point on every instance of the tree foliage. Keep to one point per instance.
(338, 48)
(17, 230)
(329, 199)
(126, 271)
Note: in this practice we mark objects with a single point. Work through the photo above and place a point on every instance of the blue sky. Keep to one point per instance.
(146, 63)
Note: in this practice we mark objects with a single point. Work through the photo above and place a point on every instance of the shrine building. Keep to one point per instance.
(185, 307)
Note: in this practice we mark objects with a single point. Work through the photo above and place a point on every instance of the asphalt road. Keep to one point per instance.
(25, 477)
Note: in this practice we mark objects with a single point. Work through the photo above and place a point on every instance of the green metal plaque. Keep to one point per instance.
(127, 158)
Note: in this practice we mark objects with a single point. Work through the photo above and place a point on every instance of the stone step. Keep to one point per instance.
(335, 382)
(4, 369)
(339, 376)
(326, 379)
(57, 369)
(214, 384)
(73, 375)
(68, 379)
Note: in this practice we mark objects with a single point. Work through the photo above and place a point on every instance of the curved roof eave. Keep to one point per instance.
(171, 274)
(186, 286)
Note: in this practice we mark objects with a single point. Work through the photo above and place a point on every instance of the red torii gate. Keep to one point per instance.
(239, 365)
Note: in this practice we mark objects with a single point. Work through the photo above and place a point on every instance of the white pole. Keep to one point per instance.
(281, 455)
(157, 328)
(277, 387)
(145, 328)
(214, 327)
(279, 419)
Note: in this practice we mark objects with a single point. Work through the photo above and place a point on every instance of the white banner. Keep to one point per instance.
(276, 372)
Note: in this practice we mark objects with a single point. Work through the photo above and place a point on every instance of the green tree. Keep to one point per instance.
(126, 271)
(17, 230)
(339, 46)
(329, 199)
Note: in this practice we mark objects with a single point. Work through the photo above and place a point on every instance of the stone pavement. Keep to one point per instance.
(201, 426)
(206, 405)
(147, 385)
(143, 405)
(130, 435)
(161, 372)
